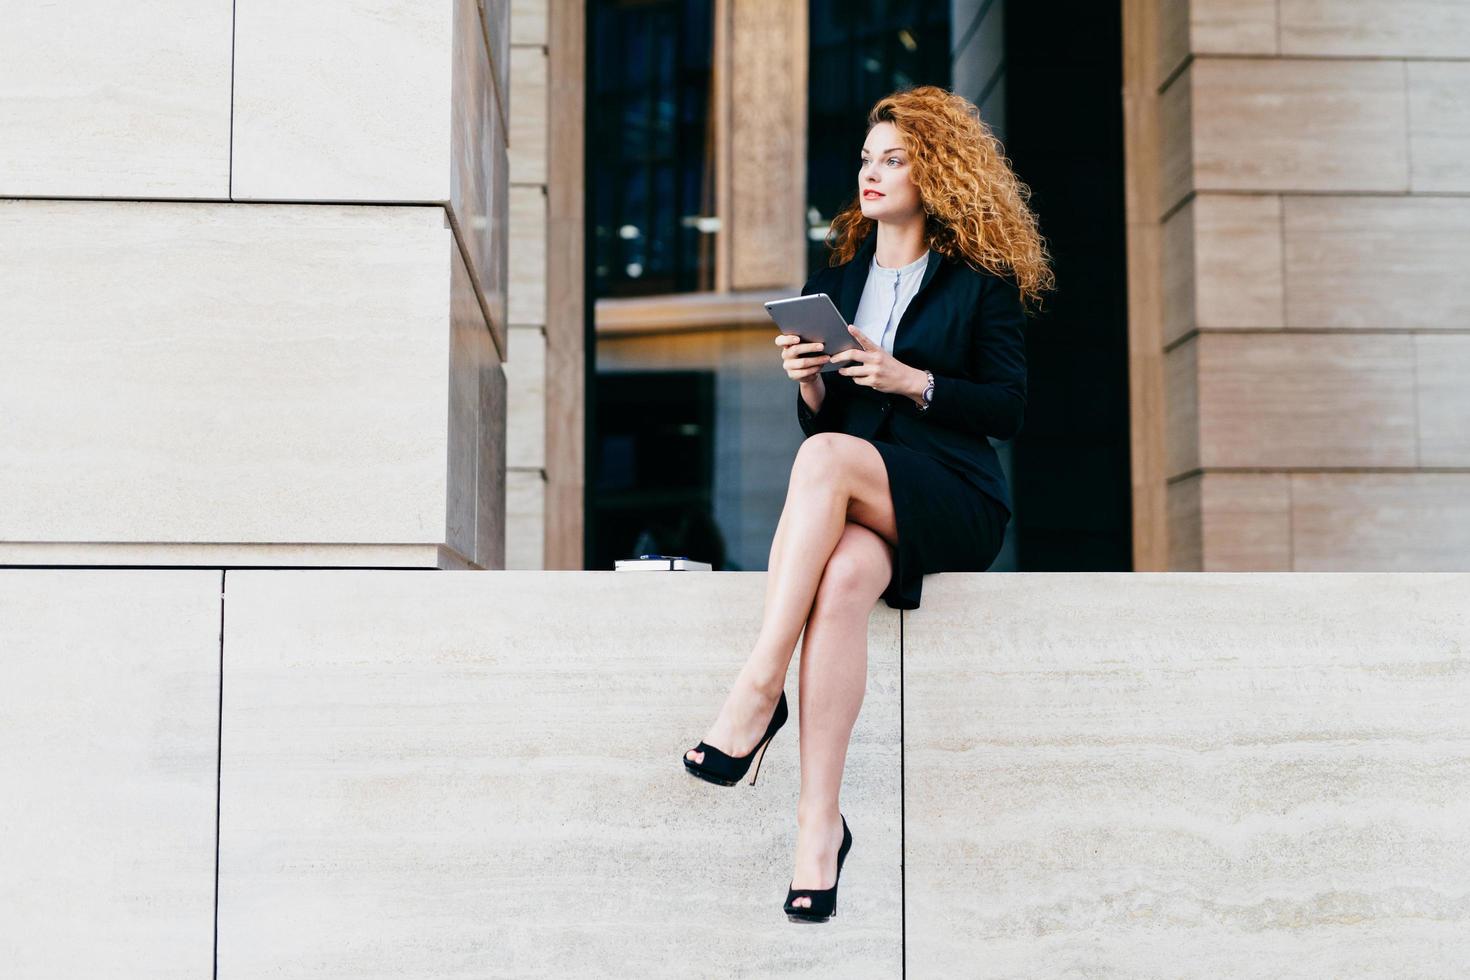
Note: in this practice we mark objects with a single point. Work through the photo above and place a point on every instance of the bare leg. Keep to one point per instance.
(835, 477)
(834, 675)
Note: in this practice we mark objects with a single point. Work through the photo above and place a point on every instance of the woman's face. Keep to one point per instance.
(884, 189)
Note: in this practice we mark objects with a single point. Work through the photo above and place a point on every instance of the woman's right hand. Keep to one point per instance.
(799, 367)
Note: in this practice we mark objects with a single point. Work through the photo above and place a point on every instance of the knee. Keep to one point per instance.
(856, 573)
(820, 458)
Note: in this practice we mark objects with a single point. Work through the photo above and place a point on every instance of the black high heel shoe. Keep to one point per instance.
(824, 900)
(718, 767)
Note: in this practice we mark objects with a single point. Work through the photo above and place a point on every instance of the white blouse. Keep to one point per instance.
(886, 295)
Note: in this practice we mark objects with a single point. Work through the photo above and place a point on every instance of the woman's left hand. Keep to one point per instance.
(875, 368)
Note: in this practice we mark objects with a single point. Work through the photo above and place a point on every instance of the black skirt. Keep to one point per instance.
(945, 522)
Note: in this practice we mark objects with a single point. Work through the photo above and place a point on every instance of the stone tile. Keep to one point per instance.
(525, 506)
(102, 104)
(1392, 263)
(1232, 26)
(528, 115)
(109, 711)
(1230, 522)
(525, 376)
(1439, 125)
(1223, 265)
(528, 21)
(527, 255)
(1297, 400)
(273, 374)
(1395, 522)
(1255, 768)
(1442, 365)
(342, 100)
(412, 776)
(1262, 124)
(1371, 28)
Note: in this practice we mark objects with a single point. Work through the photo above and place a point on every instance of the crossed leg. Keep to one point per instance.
(830, 560)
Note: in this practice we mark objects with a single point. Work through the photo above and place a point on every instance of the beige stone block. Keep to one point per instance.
(1185, 524)
(525, 375)
(213, 373)
(479, 170)
(1262, 124)
(528, 115)
(1182, 408)
(1439, 125)
(100, 102)
(528, 272)
(343, 100)
(416, 762)
(1394, 522)
(476, 431)
(498, 29)
(1171, 37)
(1442, 369)
(1373, 28)
(1231, 26)
(1176, 153)
(1112, 769)
(1230, 522)
(1296, 400)
(528, 21)
(109, 708)
(525, 505)
(1377, 263)
(1223, 265)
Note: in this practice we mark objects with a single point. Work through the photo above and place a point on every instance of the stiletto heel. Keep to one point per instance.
(824, 900)
(725, 770)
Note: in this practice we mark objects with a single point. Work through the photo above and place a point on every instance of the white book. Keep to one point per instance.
(660, 563)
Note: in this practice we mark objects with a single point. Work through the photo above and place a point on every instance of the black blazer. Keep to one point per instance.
(966, 327)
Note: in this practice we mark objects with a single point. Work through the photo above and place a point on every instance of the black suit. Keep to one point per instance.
(966, 327)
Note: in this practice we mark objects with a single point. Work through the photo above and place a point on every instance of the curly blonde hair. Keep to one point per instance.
(975, 207)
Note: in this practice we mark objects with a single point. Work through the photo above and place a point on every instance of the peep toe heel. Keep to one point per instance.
(726, 770)
(824, 900)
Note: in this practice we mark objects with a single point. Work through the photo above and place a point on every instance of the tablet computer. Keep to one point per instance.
(814, 318)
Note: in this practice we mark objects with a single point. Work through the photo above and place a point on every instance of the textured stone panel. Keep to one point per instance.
(1442, 370)
(528, 272)
(528, 115)
(214, 373)
(525, 508)
(102, 102)
(418, 768)
(1294, 400)
(1370, 263)
(1262, 124)
(109, 712)
(1146, 775)
(1439, 125)
(1396, 522)
(1375, 28)
(342, 100)
(1230, 522)
(528, 21)
(1222, 264)
(525, 377)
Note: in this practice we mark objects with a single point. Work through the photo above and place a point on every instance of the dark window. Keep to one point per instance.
(860, 52)
(655, 467)
(651, 147)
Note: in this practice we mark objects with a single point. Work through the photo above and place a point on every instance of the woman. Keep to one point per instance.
(930, 266)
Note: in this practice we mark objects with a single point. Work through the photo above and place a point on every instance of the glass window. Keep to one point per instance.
(652, 146)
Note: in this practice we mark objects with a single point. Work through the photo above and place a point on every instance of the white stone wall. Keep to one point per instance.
(1136, 775)
(253, 283)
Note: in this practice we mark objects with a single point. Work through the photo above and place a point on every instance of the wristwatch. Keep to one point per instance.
(928, 392)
